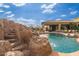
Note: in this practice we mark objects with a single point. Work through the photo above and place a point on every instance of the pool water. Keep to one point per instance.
(63, 44)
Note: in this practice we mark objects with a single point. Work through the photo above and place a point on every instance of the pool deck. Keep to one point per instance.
(65, 54)
(69, 54)
(61, 33)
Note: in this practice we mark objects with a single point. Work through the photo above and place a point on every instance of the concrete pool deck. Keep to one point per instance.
(65, 54)
(69, 54)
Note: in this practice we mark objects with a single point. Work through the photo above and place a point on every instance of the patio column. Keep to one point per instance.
(59, 27)
(77, 24)
(50, 28)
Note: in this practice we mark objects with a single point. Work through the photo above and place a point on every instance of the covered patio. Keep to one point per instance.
(59, 25)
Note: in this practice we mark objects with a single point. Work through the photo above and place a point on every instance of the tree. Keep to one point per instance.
(73, 26)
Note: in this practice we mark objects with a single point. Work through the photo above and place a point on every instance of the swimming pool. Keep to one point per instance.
(63, 44)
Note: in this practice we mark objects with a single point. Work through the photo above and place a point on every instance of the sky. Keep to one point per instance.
(35, 13)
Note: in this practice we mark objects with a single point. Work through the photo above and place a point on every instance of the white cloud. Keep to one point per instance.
(24, 21)
(43, 6)
(47, 11)
(1, 10)
(73, 12)
(9, 16)
(48, 8)
(1, 4)
(19, 4)
(12, 19)
(8, 12)
(42, 20)
(63, 15)
(58, 19)
(4, 5)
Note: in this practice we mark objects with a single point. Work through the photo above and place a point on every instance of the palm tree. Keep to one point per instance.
(74, 27)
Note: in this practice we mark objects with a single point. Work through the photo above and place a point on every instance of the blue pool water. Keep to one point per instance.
(62, 43)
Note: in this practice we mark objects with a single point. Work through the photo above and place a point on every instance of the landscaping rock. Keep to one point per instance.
(4, 47)
(17, 39)
(40, 46)
(14, 53)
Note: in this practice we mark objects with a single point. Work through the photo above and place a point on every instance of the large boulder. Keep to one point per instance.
(14, 53)
(4, 47)
(40, 46)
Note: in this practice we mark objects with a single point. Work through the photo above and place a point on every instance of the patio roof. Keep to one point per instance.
(59, 22)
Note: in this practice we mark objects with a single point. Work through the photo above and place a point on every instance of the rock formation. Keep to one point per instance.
(14, 53)
(4, 47)
(21, 41)
(40, 46)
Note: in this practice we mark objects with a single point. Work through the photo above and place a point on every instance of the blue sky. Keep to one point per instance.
(35, 13)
